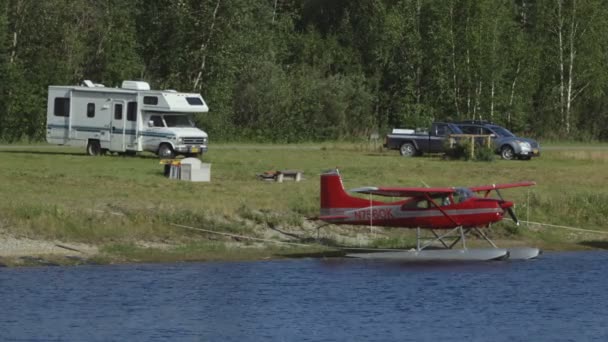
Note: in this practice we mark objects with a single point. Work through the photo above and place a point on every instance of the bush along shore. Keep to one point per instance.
(64, 208)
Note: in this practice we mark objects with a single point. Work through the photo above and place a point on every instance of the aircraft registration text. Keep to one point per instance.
(376, 214)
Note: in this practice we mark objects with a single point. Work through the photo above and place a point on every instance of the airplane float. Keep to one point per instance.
(455, 211)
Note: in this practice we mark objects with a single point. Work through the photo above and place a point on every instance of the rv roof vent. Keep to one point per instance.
(89, 84)
(135, 85)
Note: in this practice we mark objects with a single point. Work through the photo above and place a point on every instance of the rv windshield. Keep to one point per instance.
(178, 121)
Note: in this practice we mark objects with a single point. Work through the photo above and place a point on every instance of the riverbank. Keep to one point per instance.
(24, 252)
(16, 252)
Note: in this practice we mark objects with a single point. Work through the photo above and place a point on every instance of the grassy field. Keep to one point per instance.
(125, 206)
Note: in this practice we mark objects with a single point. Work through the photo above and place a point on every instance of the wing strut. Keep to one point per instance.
(440, 209)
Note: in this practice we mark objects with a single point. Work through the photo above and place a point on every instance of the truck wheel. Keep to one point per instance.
(407, 150)
(165, 151)
(93, 148)
(507, 153)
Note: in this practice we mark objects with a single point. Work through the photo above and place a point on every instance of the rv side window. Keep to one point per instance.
(150, 100)
(194, 101)
(90, 110)
(118, 111)
(62, 106)
(132, 111)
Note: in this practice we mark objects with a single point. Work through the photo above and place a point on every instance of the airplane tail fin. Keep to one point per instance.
(334, 199)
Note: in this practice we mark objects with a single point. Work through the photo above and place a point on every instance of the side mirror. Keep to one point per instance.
(150, 123)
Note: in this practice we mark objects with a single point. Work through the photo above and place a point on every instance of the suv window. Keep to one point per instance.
(474, 129)
(486, 131)
(503, 132)
(470, 129)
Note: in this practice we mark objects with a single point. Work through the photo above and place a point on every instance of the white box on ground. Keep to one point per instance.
(203, 174)
(192, 169)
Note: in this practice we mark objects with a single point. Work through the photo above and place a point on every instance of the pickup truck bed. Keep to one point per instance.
(417, 144)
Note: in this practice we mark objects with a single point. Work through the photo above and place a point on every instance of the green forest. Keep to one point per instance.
(315, 70)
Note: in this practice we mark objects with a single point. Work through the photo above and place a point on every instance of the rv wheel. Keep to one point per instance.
(93, 148)
(165, 151)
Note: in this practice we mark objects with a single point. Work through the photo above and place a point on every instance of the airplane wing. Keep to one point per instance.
(500, 186)
(402, 192)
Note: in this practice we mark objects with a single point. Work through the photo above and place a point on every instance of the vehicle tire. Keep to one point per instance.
(165, 151)
(93, 148)
(407, 150)
(507, 153)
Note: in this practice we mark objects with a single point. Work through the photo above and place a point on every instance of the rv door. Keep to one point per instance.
(118, 140)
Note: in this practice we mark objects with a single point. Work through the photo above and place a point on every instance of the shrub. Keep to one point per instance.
(462, 151)
(484, 153)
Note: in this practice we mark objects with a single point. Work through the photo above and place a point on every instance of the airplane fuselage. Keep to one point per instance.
(474, 212)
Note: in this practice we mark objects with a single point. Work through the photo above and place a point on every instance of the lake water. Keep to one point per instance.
(558, 297)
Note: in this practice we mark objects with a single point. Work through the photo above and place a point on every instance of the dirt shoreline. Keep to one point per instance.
(18, 252)
(15, 251)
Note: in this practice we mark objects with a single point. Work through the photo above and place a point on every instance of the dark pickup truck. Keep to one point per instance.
(418, 143)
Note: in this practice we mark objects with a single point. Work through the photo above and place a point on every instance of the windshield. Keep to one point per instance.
(462, 194)
(178, 121)
(503, 132)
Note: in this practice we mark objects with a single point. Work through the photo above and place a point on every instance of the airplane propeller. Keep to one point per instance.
(513, 217)
(508, 208)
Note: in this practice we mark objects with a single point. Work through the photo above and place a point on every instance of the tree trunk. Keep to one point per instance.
(203, 50)
(512, 97)
(492, 101)
(453, 46)
(569, 97)
(419, 63)
(19, 9)
(560, 24)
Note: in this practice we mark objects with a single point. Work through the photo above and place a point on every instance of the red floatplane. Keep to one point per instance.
(453, 211)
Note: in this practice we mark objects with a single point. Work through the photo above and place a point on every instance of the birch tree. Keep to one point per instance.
(573, 26)
(3, 65)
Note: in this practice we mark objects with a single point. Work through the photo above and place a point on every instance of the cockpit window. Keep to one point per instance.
(441, 200)
(462, 194)
(417, 203)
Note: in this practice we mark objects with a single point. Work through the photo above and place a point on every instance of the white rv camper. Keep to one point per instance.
(127, 120)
